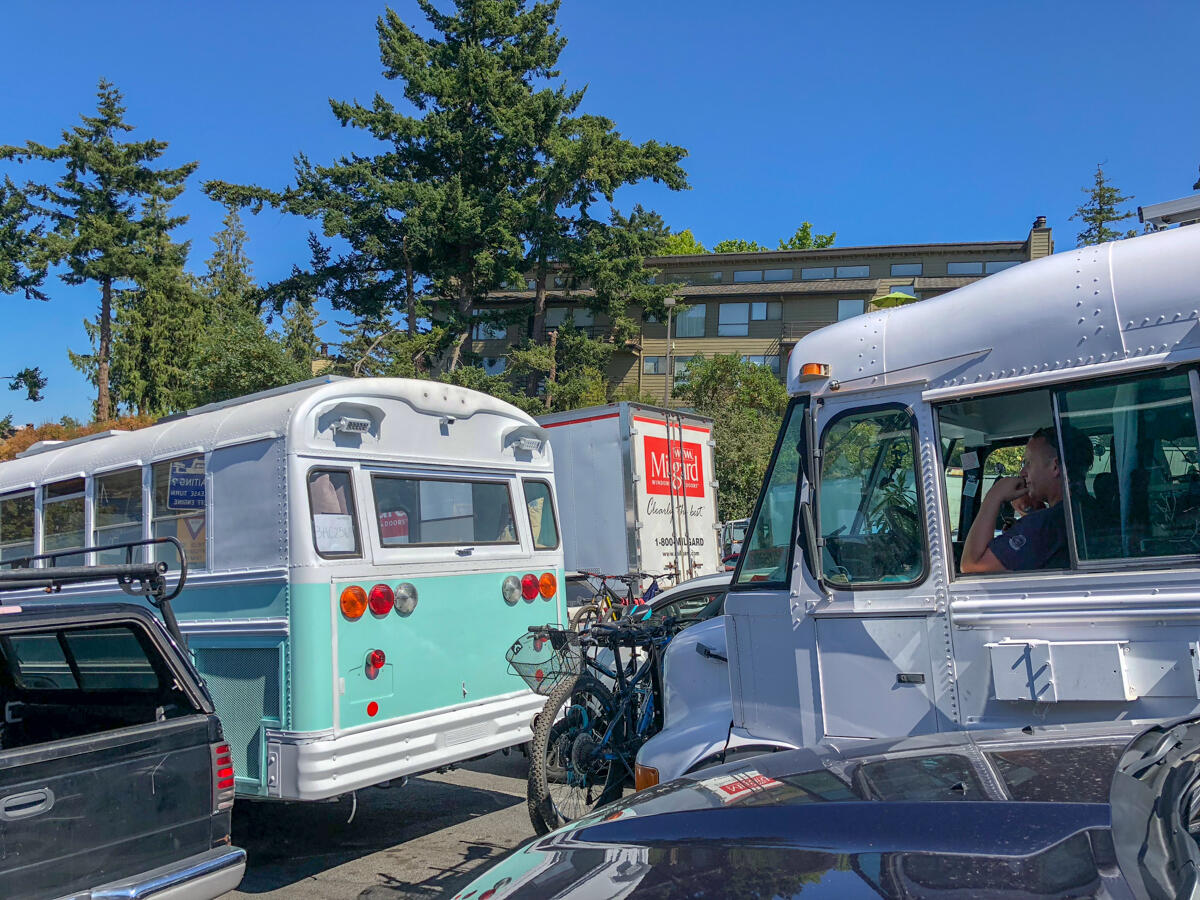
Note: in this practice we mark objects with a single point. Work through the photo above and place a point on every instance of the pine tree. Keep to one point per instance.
(1101, 208)
(22, 265)
(228, 279)
(92, 212)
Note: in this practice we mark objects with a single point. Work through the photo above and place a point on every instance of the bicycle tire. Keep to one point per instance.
(584, 617)
(554, 800)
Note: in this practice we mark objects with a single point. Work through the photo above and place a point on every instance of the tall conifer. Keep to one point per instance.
(94, 212)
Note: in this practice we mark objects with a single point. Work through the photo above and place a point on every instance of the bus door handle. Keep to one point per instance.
(464, 551)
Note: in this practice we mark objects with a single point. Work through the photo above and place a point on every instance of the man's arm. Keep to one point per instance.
(977, 556)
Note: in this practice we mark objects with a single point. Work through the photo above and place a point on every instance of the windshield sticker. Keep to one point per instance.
(334, 533)
(970, 460)
(733, 787)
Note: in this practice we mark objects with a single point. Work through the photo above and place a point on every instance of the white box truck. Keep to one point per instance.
(636, 491)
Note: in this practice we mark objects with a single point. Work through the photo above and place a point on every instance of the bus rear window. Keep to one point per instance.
(540, 505)
(331, 496)
(429, 511)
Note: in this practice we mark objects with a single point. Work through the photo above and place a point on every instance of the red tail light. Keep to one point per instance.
(222, 777)
(381, 599)
(529, 587)
(376, 659)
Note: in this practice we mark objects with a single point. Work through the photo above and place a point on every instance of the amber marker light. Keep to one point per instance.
(814, 370)
(353, 602)
(548, 585)
(644, 777)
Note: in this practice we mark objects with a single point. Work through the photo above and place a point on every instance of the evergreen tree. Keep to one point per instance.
(1101, 208)
(22, 265)
(228, 279)
(92, 211)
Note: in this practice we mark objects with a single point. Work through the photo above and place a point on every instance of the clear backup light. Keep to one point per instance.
(548, 585)
(381, 599)
(511, 590)
(222, 777)
(530, 587)
(406, 598)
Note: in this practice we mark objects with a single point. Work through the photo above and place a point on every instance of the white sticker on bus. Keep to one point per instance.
(335, 533)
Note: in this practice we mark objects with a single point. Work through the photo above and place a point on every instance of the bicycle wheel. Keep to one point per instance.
(585, 617)
(568, 774)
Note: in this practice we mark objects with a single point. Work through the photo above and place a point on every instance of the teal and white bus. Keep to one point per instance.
(361, 553)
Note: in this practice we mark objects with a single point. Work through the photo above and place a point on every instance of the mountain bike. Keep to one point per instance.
(607, 605)
(586, 738)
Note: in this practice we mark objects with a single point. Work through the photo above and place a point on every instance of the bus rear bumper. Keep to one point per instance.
(315, 767)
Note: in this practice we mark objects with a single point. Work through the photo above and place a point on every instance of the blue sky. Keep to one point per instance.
(884, 122)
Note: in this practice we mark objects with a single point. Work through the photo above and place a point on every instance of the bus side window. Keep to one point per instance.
(1140, 495)
(869, 505)
(180, 504)
(16, 526)
(62, 521)
(539, 503)
(334, 523)
(118, 513)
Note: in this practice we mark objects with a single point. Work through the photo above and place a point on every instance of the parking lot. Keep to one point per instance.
(425, 839)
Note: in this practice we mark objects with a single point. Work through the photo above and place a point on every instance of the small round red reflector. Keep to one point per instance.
(353, 602)
(381, 599)
(376, 659)
(372, 708)
(529, 587)
(548, 585)
(539, 675)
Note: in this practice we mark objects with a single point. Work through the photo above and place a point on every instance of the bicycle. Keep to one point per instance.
(605, 603)
(584, 758)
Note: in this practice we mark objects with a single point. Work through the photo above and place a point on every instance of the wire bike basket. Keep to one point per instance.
(544, 658)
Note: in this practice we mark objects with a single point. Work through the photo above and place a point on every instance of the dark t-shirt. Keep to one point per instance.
(1036, 541)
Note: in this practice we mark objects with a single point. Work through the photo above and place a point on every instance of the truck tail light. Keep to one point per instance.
(222, 777)
(376, 660)
(381, 599)
(353, 602)
(548, 585)
(529, 587)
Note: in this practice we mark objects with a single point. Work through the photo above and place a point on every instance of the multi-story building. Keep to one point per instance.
(757, 305)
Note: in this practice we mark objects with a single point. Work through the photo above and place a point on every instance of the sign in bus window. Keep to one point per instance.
(432, 511)
(331, 496)
(16, 526)
(179, 511)
(870, 512)
(540, 506)
(1140, 495)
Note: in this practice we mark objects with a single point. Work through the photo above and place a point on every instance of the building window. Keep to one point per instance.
(906, 270)
(494, 365)
(680, 365)
(904, 289)
(964, 268)
(654, 365)
(556, 317)
(815, 272)
(771, 362)
(696, 278)
(849, 308)
(560, 281)
(766, 311)
(853, 272)
(998, 265)
(733, 320)
(488, 331)
(748, 275)
(777, 275)
(690, 322)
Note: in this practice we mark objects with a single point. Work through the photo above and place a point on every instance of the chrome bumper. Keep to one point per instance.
(200, 877)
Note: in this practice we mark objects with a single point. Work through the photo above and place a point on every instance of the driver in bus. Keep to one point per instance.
(1038, 540)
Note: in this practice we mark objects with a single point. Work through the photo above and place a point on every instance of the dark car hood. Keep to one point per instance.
(1020, 813)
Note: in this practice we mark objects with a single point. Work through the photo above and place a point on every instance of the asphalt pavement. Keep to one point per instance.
(423, 840)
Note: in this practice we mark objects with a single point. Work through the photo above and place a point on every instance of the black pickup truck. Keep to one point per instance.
(115, 780)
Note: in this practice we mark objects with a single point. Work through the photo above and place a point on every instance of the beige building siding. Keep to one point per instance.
(808, 285)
